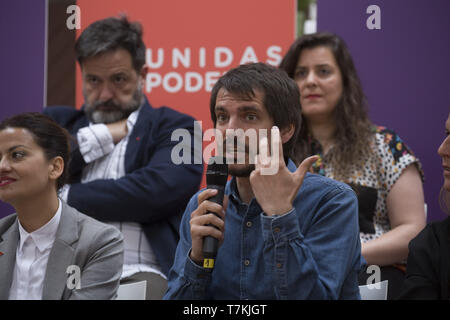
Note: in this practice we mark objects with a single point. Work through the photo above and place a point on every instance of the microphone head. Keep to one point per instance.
(217, 171)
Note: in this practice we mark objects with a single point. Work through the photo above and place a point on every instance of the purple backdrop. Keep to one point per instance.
(404, 69)
(22, 56)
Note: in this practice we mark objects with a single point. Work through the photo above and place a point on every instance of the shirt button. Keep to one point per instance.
(276, 230)
(249, 224)
(247, 262)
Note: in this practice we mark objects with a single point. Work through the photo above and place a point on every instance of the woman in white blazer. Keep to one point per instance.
(49, 250)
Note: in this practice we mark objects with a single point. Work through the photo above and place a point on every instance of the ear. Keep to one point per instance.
(287, 133)
(56, 168)
(143, 72)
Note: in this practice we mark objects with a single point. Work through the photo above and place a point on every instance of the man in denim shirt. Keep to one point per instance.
(286, 235)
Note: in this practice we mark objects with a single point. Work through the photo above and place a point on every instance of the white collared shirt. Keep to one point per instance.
(31, 259)
(107, 161)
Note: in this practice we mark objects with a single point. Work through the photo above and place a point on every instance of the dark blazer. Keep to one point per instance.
(96, 248)
(154, 192)
(427, 273)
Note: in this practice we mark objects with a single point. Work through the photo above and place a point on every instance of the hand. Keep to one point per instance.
(118, 130)
(200, 220)
(276, 192)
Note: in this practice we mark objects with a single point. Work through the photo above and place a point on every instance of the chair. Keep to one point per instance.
(375, 291)
(132, 291)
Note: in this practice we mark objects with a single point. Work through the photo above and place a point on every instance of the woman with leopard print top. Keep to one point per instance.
(374, 161)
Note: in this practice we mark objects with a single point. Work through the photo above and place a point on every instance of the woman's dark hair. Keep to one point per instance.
(281, 96)
(353, 127)
(52, 138)
(110, 34)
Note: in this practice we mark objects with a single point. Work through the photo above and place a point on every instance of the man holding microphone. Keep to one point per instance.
(288, 234)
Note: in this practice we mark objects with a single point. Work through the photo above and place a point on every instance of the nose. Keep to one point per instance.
(311, 79)
(5, 166)
(106, 92)
(234, 128)
(444, 148)
(232, 123)
(228, 129)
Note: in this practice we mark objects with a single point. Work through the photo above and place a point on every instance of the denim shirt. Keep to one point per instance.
(311, 252)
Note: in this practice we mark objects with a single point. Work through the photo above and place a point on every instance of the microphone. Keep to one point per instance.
(216, 178)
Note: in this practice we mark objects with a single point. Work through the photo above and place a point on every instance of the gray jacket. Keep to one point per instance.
(93, 247)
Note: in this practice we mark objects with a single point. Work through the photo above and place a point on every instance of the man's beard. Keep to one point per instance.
(238, 162)
(116, 112)
(243, 171)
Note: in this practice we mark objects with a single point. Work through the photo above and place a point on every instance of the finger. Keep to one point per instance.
(209, 207)
(304, 167)
(277, 146)
(209, 219)
(264, 156)
(200, 231)
(208, 225)
(316, 164)
(206, 194)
